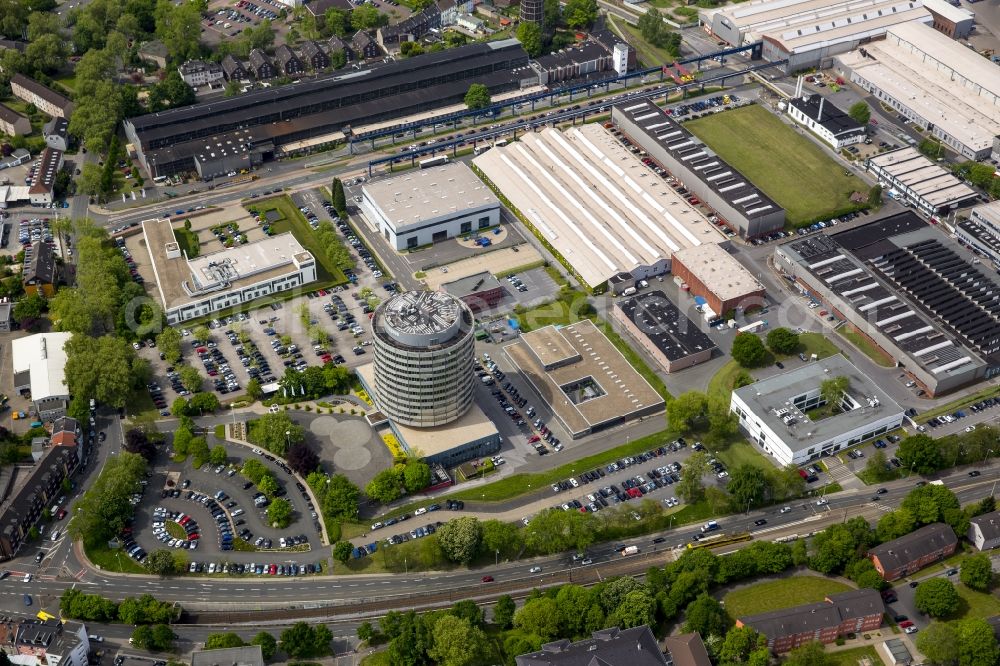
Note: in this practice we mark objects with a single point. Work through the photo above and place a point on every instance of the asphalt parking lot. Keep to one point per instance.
(193, 484)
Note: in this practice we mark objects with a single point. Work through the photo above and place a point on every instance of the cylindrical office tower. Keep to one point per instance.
(424, 355)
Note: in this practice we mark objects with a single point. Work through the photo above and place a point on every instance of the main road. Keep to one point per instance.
(414, 590)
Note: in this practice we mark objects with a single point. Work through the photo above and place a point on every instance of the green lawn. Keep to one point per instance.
(777, 594)
(975, 604)
(113, 560)
(779, 161)
(817, 343)
(854, 656)
(188, 240)
(721, 384)
(649, 55)
(742, 452)
(292, 220)
(871, 351)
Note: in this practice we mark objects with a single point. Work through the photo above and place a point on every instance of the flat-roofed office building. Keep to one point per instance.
(426, 206)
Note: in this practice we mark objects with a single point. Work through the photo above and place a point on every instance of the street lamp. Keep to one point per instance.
(496, 560)
(288, 440)
(986, 459)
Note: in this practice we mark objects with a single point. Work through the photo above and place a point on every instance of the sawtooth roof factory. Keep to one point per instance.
(595, 202)
(935, 82)
(809, 33)
(981, 231)
(747, 210)
(215, 137)
(900, 283)
(908, 175)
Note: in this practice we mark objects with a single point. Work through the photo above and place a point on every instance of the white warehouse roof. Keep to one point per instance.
(598, 205)
(43, 356)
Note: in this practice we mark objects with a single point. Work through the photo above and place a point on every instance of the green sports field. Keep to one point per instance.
(787, 166)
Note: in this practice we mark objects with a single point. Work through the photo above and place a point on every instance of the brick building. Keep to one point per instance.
(38, 493)
(288, 62)
(715, 275)
(824, 621)
(914, 551)
(261, 66)
(314, 56)
(480, 292)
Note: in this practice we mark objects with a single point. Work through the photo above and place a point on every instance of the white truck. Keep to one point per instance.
(630, 550)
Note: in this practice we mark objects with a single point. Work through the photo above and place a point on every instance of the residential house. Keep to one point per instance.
(335, 44)
(22, 511)
(607, 647)
(318, 7)
(154, 51)
(43, 184)
(66, 432)
(13, 123)
(364, 47)
(314, 56)
(687, 650)
(410, 29)
(825, 621)
(56, 133)
(40, 273)
(984, 531)
(261, 66)
(45, 99)
(914, 551)
(38, 642)
(450, 9)
(288, 62)
(233, 69)
(200, 73)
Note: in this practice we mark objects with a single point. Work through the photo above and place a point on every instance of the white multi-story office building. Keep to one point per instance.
(192, 288)
(424, 353)
(429, 205)
(787, 417)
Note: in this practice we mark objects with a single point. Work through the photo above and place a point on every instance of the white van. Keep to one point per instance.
(629, 291)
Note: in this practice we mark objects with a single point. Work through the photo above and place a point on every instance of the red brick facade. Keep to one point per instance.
(678, 269)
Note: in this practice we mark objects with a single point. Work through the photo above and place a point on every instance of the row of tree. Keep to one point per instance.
(314, 382)
(387, 486)
(145, 609)
(275, 432)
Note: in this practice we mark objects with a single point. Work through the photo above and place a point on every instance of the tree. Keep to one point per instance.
(158, 637)
(279, 513)
(416, 475)
(687, 411)
(655, 31)
(931, 504)
(834, 547)
(580, 13)
(161, 562)
(198, 450)
(178, 26)
(339, 498)
(738, 644)
(460, 538)
(224, 640)
(106, 507)
(875, 196)
(530, 36)
(690, 487)
(268, 646)
(977, 572)
(339, 198)
(218, 455)
(920, 453)
(366, 632)
(203, 402)
(342, 551)
(748, 485)
(302, 641)
(860, 112)
(832, 390)
(103, 368)
(254, 390)
(201, 333)
(268, 485)
(539, 616)
(977, 644)
(384, 486)
(302, 459)
(478, 97)
(456, 642)
(501, 537)
(636, 609)
(136, 441)
(878, 468)
(895, 524)
(169, 343)
(939, 642)
(555, 530)
(253, 470)
(275, 432)
(937, 597)
(748, 350)
(706, 616)
(782, 341)
(29, 310)
(365, 19)
(190, 378)
(47, 53)
(810, 654)
(931, 147)
(503, 612)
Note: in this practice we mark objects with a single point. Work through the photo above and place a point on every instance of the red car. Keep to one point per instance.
(61, 514)
(486, 579)
(533, 439)
(905, 623)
